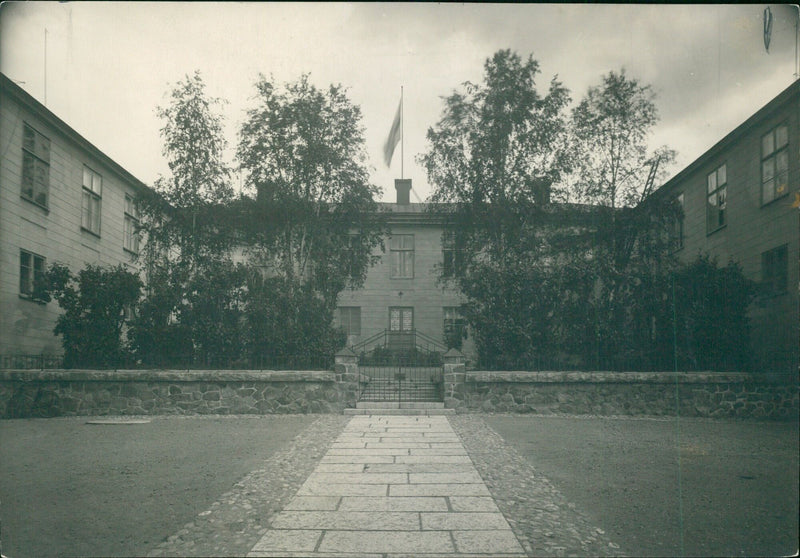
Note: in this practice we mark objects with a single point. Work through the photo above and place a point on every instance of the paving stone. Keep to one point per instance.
(357, 459)
(420, 467)
(347, 468)
(349, 445)
(306, 503)
(395, 444)
(400, 438)
(407, 430)
(349, 520)
(488, 542)
(414, 542)
(314, 489)
(434, 451)
(473, 504)
(438, 490)
(470, 477)
(358, 478)
(288, 541)
(432, 459)
(397, 503)
(435, 521)
(373, 451)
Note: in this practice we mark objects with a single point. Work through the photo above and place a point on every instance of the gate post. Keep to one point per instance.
(455, 374)
(347, 375)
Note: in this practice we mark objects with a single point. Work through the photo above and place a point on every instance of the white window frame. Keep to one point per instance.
(402, 252)
(717, 199)
(774, 150)
(35, 183)
(130, 233)
(29, 273)
(91, 200)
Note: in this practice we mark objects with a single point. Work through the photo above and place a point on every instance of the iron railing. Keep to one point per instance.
(31, 362)
(187, 362)
(400, 341)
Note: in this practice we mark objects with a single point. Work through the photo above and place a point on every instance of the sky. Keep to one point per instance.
(104, 67)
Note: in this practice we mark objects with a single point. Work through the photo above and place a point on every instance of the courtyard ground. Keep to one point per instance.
(70, 488)
(737, 494)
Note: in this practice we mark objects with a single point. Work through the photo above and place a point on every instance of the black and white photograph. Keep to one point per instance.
(384, 279)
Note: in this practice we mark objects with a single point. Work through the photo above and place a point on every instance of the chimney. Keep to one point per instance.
(403, 187)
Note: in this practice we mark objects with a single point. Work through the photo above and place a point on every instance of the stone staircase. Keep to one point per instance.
(388, 397)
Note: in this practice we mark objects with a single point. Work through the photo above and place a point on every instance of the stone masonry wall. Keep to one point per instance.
(50, 393)
(622, 393)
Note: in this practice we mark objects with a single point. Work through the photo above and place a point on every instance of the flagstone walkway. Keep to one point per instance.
(392, 486)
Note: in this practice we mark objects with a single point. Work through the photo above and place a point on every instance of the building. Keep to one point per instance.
(61, 200)
(402, 300)
(739, 203)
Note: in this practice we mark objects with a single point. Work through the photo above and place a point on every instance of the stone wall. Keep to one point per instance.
(50, 393)
(708, 394)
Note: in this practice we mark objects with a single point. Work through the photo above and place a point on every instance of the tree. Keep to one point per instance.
(94, 303)
(189, 226)
(313, 219)
(611, 126)
(614, 173)
(194, 147)
(496, 154)
(189, 216)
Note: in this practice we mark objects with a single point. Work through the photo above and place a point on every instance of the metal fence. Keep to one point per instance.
(31, 362)
(188, 362)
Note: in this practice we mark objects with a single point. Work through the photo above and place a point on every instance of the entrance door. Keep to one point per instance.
(401, 328)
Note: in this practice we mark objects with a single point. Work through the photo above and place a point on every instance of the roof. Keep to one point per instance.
(8, 87)
(783, 97)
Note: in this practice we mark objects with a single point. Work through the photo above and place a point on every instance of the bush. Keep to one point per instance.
(94, 303)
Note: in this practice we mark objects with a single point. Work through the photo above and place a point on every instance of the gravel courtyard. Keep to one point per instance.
(207, 485)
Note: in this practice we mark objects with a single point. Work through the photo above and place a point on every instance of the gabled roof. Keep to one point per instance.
(793, 91)
(8, 87)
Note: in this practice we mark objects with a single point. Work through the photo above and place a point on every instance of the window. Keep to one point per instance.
(454, 326)
(676, 226)
(402, 251)
(775, 164)
(774, 271)
(35, 166)
(130, 231)
(353, 246)
(31, 275)
(717, 188)
(453, 257)
(92, 191)
(349, 318)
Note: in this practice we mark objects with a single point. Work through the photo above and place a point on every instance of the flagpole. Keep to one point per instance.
(402, 135)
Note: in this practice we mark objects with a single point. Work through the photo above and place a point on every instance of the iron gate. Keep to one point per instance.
(401, 366)
(401, 383)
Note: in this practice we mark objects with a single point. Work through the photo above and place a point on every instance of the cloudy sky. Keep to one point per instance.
(107, 66)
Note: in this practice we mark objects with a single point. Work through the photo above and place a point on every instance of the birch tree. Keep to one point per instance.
(302, 152)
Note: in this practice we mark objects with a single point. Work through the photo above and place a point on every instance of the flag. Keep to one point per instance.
(394, 136)
(767, 27)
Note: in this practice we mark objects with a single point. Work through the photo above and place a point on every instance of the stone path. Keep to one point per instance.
(392, 486)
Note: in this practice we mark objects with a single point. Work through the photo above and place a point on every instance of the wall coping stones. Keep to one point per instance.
(480, 377)
(171, 376)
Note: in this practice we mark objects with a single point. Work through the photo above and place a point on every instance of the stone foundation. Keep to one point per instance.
(708, 394)
(51, 393)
